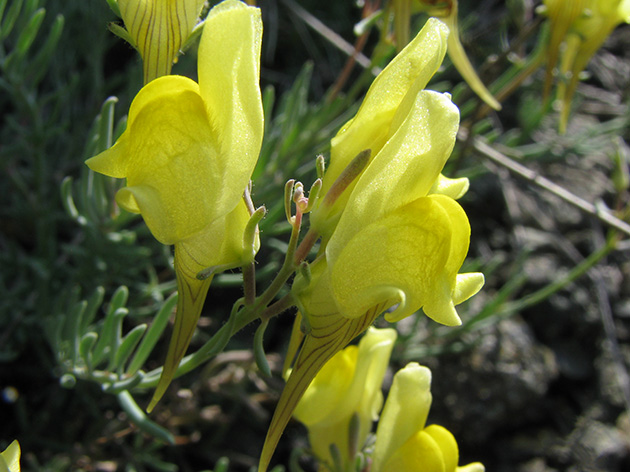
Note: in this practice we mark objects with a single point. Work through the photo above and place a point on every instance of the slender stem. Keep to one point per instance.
(334, 38)
(250, 307)
(548, 290)
(211, 348)
(359, 44)
(513, 84)
(249, 282)
(305, 247)
(278, 307)
(288, 267)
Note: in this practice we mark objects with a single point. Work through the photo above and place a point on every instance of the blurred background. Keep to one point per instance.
(535, 380)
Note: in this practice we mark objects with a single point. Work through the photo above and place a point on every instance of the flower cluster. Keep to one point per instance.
(403, 441)
(395, 238)
(344, 398)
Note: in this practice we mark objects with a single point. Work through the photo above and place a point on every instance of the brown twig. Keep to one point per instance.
(546, 184)
(328, 34)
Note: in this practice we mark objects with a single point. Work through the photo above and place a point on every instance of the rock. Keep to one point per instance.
(505, 376)
(595, 446)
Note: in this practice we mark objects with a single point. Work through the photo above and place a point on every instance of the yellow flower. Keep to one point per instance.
(403, 443)
(583, 25)
(158, 29)
(380, 116)
(346, 390)
(188, 153)
(399, 238)
(10, 458)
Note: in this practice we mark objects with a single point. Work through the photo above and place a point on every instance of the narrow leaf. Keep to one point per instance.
(125, 384)
(152, 335)
(108, 332)
(29, 33)
(67, 199)
(128, 344)
(9, 20)
(93, 304)
(116, 338)
(137, 416)
(259, 350)
(85, 348)
(38, 67)
(71, 329)
(113, 4)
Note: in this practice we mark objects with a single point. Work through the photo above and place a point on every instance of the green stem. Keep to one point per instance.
(278, 307)
(242, 315)
(287, 269)
(546, 291)
(249, 282)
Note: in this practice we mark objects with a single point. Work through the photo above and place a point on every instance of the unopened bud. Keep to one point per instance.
(320, 164)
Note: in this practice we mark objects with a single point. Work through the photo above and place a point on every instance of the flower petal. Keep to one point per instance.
(404, 170)
(348, 385)
(328, 388)
(229, 76)
(155, 97)
(472, 467)
(416, 249)
(112, 161)
(454, 188)
(561, 14)
(170, 159)
(447, 443)
(405, 75)
(192, 295)
(588, 32)
(404, 414)
(466, 285)
(420, 453)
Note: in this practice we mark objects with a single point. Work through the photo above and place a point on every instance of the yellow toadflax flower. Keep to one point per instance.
(380, 116)
(158, 29)
(10, 458)
(403, 442)
(583, 25)
(399, 238)
(345, 397)
(188, 153)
